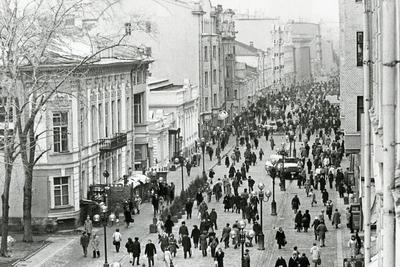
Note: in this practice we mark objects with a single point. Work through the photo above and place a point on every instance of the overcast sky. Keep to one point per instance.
(314, 10)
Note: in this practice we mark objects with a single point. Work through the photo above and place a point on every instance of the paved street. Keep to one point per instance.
(66, 250)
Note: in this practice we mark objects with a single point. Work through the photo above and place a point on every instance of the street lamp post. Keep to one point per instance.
(261, 193)
(181, 160)
(203, 150)
(272, 173)
(103, 218)
(218, 134)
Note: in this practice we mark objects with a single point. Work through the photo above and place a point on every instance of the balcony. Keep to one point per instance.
(109, 144)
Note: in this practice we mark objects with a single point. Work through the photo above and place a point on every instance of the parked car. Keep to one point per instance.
(292, 167)
(271, 126)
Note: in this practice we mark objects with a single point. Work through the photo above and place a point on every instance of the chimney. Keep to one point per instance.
(251, 43)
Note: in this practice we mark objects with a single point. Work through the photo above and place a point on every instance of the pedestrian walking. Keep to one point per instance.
(168, 258)
(313, 198)
(168, 225)
(251, 183)
(298, 221)
(129, 249)
(213, 219)
(225, 235)
(329, 208)
(95, 245)
(203, 243)
(173, 246)
(188, 168)
(219, 258)
(336, 218)
(280, 238)
(187, 246)
(280, 262)
(155, 203)
(246, 259)
(321, 229)
(136, 251)
(306, 220)
(88, 226)
(183, 230)
(227, 162)
(260, 154)
(150, 251)
(352, 244)
(325, 196)
(315, 255)
(189, 208)
(303, 261)
(85, 239)
(213, 246)
(195, 235)
(117, 238)
(315, 224)
(294, 260)
(295, 203)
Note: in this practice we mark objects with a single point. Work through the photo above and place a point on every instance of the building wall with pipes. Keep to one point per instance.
(384, 116)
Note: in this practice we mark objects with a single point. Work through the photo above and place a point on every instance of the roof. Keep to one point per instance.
(245, 49)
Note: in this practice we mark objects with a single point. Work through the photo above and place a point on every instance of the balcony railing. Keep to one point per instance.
(109, 144)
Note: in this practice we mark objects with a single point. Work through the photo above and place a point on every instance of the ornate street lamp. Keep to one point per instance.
(272, 173)
(104, 219)
(261, 195)
(181, 160)
(106, 174)
(203, 150)
(242, 236)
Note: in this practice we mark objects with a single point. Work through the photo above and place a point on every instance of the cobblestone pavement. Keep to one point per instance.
(67, 252)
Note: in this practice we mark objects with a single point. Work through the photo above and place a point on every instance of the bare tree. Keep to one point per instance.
(31, 37)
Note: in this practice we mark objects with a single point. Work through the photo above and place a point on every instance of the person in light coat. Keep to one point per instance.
(352, 244)
(95, 246)
(336, 218)
(167, 258)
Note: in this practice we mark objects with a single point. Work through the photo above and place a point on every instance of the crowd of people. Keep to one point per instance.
(303, 112)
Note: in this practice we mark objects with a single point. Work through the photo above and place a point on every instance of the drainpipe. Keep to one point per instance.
(388, 110)
(367, 136)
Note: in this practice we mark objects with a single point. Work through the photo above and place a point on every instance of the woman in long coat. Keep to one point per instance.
(336, 218)
(219, 257)
(280, 238)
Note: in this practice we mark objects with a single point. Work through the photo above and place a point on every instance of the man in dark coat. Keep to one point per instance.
(168, 225)
(187, 245)
(195, 235)
(189, 208)
(298, 220)
(294, 260)
(257, 230)
(306, 220)
(183, 230)
(251, 183)
(136, 251)
(225, 235)
(150, 251)
(280, 238)
(295, 203)
(213, 219)
(85, 243)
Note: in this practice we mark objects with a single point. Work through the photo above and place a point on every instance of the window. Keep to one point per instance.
(215, 100)
(139, 77)
(119, 115)
(227, 72)
(93, 123)
(214, 76)
(236, 95)
(360, 110)
(206, 78)
(234, 50)
(106, 119)
(3, 113)
(113, 117)
(60, 131)
(205, 53)
(61, 191)
(214, 52)
(206, 103)
(128, 113)
(101, 121)
(83, 126)
(360, 44)
(138, 108)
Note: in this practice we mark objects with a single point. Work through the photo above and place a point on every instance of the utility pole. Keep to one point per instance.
(388, 109)
(367, 135)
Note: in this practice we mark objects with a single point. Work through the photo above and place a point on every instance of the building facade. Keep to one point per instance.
(371, 111)
(87, 130)
(181, 102)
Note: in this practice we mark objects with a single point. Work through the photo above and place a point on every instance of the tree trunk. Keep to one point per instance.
(5, 206)
(28, 163)
(27, 206)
